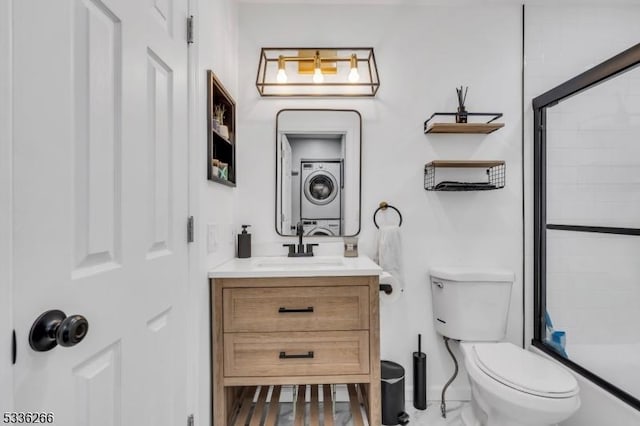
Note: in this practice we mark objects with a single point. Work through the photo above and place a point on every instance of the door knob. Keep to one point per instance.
(54, 328)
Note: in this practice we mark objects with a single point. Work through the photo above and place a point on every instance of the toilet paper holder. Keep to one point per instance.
(386, 288)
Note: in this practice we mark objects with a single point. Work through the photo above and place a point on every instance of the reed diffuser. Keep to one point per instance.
(461, 116)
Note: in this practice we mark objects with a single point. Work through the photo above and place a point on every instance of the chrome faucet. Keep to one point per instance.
(301, 252)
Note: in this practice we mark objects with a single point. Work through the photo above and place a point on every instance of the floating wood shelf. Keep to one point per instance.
(260, 406)
(484, 128)
(449, 127)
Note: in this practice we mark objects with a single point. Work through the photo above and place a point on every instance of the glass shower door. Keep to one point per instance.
(588, 225)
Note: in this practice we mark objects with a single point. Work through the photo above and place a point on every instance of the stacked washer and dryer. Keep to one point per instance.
(321, 197)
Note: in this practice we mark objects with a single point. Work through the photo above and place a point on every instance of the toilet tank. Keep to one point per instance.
(471, 304)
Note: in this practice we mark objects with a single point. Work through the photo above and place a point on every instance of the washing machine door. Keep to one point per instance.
(320, 231)
(321, 187)
(328, 228)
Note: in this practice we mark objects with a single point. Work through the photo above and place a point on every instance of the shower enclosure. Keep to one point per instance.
(587, 224)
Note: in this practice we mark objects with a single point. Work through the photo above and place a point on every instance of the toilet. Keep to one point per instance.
(509, 385)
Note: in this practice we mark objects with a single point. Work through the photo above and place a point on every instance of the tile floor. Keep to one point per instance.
(429, 417)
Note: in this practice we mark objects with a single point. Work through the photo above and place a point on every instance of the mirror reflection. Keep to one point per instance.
(318, 172)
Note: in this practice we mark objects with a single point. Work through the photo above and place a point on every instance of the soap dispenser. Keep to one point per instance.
(244, 243)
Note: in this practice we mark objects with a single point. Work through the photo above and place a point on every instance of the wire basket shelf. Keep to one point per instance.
(472, 175)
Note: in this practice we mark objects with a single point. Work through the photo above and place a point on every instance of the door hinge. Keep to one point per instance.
(190, 229)
(14, 348)
(190, 420)
(190, 29)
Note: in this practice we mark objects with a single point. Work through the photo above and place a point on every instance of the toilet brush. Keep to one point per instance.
(420, 377)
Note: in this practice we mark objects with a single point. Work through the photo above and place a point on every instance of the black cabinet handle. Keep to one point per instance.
(283, 355)
(284, 310)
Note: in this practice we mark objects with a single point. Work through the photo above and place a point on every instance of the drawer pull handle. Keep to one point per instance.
(284, 310)
(283, 355)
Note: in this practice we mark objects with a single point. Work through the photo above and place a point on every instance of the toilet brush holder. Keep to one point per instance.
(420, 377)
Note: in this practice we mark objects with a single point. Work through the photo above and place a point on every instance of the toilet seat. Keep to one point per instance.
(524, 371)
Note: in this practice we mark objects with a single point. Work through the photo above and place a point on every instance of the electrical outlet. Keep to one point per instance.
(212, 237)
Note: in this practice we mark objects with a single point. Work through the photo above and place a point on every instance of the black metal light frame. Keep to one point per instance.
(265, 82)
(612, 67)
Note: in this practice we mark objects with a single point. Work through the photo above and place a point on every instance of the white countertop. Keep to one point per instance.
(282, 266)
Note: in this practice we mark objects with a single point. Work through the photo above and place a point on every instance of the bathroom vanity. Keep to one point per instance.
(278, 322)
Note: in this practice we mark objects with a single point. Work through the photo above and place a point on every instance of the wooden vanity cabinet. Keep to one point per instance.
(294, 331)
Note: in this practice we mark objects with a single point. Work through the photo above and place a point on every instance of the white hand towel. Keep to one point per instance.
(389, 254)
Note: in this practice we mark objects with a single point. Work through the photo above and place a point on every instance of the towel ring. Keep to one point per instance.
(383, 206)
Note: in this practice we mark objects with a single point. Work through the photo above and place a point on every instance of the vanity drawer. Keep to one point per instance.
(296, 353)
(296, 308)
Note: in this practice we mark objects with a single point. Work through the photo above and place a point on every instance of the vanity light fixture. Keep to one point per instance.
(317, 72)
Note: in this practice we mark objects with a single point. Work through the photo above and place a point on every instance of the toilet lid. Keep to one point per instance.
(524, 370)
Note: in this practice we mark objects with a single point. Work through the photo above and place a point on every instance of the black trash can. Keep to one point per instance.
(392, 390)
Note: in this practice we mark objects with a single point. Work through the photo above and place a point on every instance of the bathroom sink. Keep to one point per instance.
(282, 266)
(318, 262)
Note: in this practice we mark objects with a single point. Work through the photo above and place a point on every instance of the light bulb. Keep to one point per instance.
(353, 74)
(282, 75)
(317, 69)
(317, 76)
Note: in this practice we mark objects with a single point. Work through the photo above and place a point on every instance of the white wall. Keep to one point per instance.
(560, 43)
(215, 48)
(314, 149)
(423, 53)
(6, 317)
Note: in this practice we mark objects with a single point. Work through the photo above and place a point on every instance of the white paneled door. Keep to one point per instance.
(99, 207)
(6, 387)
(286, 167)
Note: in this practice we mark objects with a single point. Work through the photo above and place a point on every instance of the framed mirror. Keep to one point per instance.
(318, 172)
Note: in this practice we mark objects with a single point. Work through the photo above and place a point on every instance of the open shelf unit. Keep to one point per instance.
(219, 146)
(494, 175)
(481, 128)
(260, 405)
(484, 128)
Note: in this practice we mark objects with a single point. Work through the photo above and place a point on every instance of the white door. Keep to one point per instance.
(6, 318)
(100, 207)
(287, 208)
